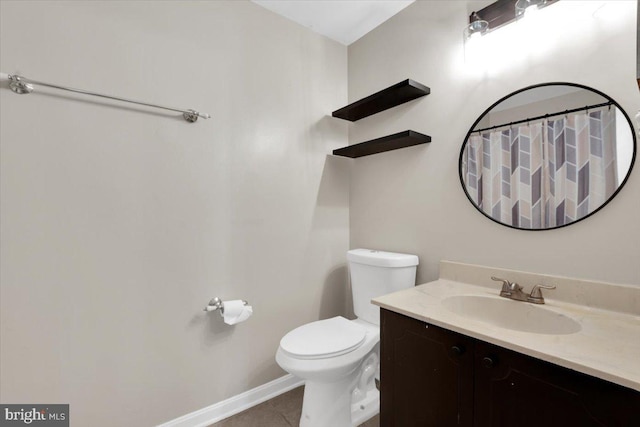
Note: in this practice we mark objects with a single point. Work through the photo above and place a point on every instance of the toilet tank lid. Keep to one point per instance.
(381, 258)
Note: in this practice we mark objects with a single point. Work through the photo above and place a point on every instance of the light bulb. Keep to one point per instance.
(531, 10)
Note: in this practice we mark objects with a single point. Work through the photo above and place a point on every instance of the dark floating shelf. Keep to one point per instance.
(404, 139)
(390, 97)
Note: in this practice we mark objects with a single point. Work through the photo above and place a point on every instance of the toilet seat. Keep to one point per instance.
(323, 339)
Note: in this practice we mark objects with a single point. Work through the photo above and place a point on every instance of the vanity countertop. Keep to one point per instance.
(607, 346)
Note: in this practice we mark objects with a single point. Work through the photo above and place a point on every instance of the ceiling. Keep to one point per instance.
(344, 21)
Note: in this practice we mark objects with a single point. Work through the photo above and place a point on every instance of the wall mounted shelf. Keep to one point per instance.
(404, 139)
(390, 97)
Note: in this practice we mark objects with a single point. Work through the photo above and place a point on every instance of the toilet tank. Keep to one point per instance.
(375, 273)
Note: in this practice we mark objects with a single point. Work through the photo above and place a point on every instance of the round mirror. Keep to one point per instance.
(547, 156)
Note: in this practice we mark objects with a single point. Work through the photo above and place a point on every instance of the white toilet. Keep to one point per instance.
(339, 358)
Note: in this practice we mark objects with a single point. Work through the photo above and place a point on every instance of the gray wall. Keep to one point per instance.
(118, 226)
(411, 200)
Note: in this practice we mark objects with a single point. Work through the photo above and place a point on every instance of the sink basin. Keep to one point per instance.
(509, 314)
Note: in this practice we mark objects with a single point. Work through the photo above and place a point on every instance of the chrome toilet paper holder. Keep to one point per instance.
(217, 304)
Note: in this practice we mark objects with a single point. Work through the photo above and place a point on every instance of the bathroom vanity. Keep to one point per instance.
(457, 365)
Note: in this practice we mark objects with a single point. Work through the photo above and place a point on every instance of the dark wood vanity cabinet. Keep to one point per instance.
(426, 375)
(434, 377)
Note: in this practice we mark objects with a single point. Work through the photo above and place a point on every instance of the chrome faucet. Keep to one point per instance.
(514, 291)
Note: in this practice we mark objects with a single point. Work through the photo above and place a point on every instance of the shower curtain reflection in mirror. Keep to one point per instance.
(544, 174)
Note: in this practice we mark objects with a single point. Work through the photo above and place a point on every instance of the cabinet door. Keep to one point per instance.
(426, 374)
(512, 389)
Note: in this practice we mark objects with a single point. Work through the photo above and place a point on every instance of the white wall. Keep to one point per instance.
(118, 224)
(411, 200)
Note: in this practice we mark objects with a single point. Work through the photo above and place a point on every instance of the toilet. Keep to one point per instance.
(338, 358)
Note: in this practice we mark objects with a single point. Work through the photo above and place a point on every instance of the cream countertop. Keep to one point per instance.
(607, 346)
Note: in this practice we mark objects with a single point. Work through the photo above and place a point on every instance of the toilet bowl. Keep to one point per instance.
(339, 358)
(340, 389)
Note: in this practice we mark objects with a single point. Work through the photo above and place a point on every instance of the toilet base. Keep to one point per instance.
(327, 404)
(365, 400)
(322, 407)
(347, 402)
(366, 409)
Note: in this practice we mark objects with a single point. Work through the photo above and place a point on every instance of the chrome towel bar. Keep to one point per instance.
(23, 85)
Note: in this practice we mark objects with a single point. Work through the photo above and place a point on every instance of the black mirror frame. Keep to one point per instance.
(615, 193)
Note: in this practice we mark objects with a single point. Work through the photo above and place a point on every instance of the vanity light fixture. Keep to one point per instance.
(476, 28)
(526, 7)
(500, 13)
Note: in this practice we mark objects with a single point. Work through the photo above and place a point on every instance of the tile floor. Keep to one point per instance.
(281, 411)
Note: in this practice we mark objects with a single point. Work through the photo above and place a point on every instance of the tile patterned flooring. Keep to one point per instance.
(281, 411)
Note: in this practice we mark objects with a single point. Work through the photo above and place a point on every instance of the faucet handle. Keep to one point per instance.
(506, 286)
(536, 294)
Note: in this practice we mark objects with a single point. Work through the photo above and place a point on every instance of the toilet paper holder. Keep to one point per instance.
(217, 304)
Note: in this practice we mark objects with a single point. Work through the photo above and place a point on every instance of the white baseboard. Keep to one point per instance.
(221, 410)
